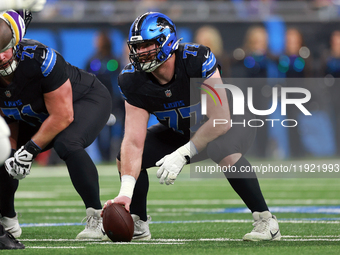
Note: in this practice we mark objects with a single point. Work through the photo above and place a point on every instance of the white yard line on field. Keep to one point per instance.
(326, 238)
(54, 247)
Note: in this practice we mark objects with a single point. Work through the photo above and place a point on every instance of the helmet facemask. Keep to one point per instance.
(145, 61)
(10, 66)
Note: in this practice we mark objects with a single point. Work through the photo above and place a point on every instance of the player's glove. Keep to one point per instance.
(20, 165)
(9, 166)
(171, 165)
(33, 5)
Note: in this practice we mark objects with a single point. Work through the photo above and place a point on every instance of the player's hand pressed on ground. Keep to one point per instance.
(122, 200)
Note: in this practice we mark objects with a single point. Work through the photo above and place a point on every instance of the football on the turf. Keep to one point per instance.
(118, 223)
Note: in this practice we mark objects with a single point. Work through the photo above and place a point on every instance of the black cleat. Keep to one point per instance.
(7, 241)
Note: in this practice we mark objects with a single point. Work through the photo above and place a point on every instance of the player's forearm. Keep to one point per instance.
(131, 159)
(50, 128)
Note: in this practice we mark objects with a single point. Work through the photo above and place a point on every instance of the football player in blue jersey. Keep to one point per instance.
(49, 103)
(158, 82)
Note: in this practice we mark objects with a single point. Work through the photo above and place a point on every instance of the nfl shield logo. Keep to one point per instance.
(168, 93)
(8, 93)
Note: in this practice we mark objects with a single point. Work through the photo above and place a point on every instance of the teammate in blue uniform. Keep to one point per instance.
(158, 82)
(49, 103)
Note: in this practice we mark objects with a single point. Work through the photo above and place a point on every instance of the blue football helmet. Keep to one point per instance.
(153, 27)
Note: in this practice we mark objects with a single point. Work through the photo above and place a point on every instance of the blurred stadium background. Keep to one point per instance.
(250, 39)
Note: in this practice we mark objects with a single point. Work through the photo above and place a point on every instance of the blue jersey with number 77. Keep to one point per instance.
(176, 104)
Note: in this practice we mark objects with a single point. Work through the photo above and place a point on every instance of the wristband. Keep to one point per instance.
(32, 148)
(188, 149)
(193, 149)
(127, 186)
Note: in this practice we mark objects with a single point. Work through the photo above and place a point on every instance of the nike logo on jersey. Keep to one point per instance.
(273, 235)
(44, 54)
(207, 55)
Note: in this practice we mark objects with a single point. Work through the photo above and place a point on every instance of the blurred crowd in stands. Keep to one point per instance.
(254, 60)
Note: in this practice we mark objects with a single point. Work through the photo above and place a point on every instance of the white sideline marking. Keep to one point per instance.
(180, 241)
(56, 240)
(142, 243)
(309, 240)
(284, 238)
(53, 247)
(195, 240)
(160, 241)
(310, 221)
(312, 236)
(50, 210)
(91, 242)
(35, 194)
